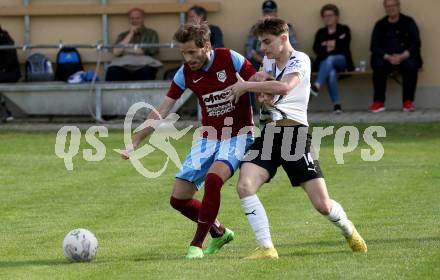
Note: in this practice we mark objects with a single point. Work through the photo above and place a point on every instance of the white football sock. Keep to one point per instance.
(257, 218)
(339, 218)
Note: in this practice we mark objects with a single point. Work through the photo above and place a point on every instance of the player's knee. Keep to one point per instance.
(323, 207)
(175, 203)
(329, 62)
(244, 188)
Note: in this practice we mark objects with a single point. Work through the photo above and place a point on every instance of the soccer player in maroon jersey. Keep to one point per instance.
(225, 135)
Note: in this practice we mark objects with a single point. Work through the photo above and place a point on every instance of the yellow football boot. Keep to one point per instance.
(356, 242)
(263, 253)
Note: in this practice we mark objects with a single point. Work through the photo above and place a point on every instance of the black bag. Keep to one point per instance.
(39, 68)
(68, 63)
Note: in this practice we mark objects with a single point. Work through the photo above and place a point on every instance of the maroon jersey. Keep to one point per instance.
(208, 84)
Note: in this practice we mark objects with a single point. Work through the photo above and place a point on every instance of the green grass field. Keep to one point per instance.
(394, 202)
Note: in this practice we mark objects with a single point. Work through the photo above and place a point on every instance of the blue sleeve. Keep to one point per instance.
(179, 78)
(238, 60)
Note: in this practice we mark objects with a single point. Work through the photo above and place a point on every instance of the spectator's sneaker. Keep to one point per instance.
(337, 109)
(9, 117)
(408, 106)
(377, 107)
(314, 90)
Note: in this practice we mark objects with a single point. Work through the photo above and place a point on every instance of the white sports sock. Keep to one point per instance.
(339, 218)
(257, 218)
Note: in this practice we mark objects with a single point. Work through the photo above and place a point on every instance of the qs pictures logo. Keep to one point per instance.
(164, 130)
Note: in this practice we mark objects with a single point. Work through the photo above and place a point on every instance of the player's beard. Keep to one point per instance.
(198, 63)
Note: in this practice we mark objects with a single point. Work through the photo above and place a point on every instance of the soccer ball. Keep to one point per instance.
(80, 245)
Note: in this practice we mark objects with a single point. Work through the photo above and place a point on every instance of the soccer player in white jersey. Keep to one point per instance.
(286, 135)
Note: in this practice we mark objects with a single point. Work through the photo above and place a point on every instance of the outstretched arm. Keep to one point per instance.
(164, 108)
(287, 83)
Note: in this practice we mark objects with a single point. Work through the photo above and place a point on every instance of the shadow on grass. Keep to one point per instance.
(304, 253)
(380, 241)
(321, 248)
(54, 262)
(152, 256)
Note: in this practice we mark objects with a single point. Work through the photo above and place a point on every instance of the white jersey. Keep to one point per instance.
(293, 105)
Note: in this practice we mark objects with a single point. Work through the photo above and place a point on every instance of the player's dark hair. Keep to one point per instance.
(199, 33)
(273, 26)
(200, 11)
(331, 8)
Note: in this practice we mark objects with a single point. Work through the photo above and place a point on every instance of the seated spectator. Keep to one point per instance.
(197, 14)
(332, 46)
(9, 69)
(395, 46)
(135, 64)
(253, 51)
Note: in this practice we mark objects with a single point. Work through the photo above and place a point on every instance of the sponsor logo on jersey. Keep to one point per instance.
(215, 98)
(221, 76)
(196, 81)
(220, 110)
(217, 103)
(294, 65)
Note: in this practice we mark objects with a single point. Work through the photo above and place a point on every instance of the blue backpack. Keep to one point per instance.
(39, 68)
(68, 63)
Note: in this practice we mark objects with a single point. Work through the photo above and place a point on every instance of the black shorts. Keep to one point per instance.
(288, 147)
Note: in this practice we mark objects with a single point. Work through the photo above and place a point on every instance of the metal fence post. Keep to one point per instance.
(98, 103)
(182, 14)
(104, 22)
(27, 28)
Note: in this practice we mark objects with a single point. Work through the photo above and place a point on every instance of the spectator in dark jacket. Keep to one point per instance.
(332, 46)
(395, 46)
(199, 14)
(253, 50)
(9, 69)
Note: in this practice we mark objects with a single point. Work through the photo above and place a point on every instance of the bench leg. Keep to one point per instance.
(98, 104)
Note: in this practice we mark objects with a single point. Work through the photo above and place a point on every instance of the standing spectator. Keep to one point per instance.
(198, 14)
(9, 69)
(395, 46)
(332, 46)
(253, 52)
(135, 64)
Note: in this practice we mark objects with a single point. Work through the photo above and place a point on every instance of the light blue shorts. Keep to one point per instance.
(205, 151)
